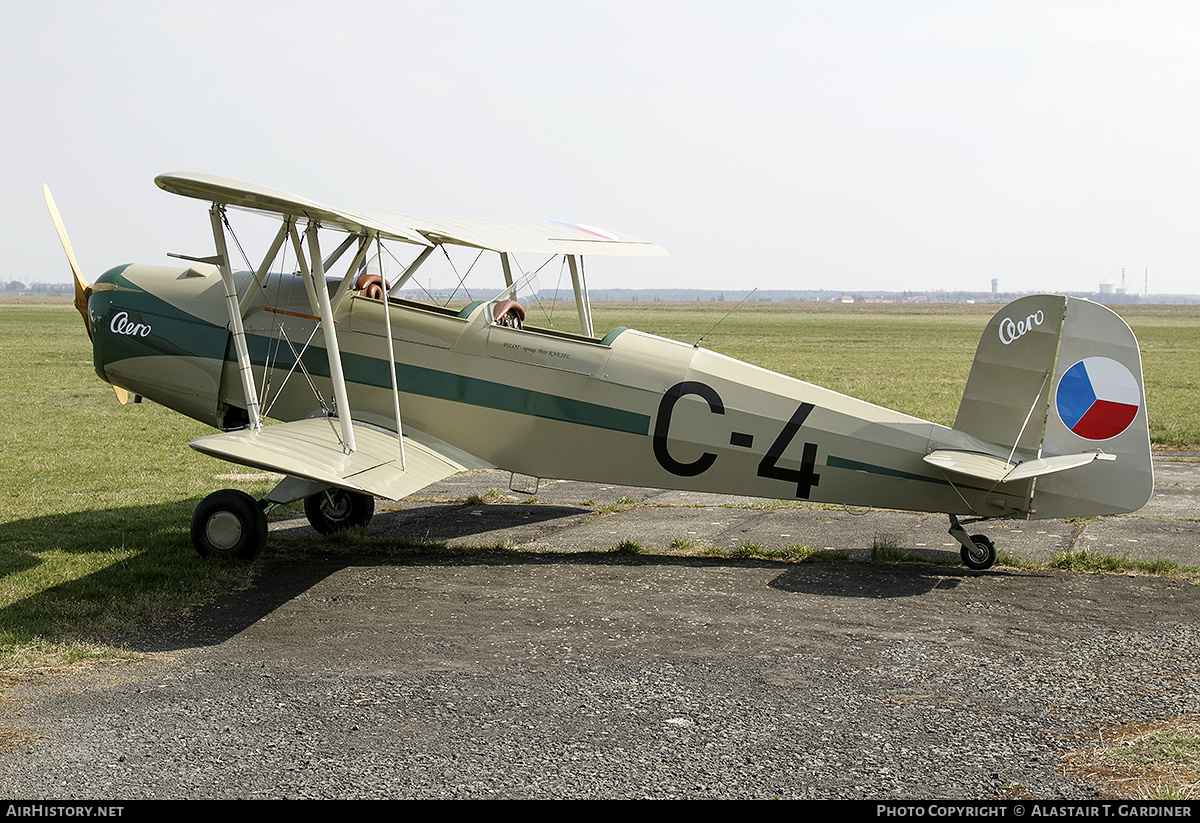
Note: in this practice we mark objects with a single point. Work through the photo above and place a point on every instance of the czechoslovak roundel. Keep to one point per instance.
(1097, 398)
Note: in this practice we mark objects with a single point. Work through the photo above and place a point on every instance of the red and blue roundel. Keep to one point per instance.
(1097, 398)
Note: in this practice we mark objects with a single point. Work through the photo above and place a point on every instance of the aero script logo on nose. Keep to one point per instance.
(1011, 330)
(121, 324)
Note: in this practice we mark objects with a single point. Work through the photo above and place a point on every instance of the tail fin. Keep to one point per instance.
(1008, 391)
(1056, 379)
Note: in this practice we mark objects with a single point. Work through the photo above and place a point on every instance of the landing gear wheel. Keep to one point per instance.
(982, 556)
(229, 523)
(335, 509)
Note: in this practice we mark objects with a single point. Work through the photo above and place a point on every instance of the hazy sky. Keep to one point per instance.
(820, 144)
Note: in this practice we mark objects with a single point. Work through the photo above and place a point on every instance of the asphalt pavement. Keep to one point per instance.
(542, 664)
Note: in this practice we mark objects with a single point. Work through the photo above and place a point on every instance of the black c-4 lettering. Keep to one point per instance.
(805, 477)
(662, 426)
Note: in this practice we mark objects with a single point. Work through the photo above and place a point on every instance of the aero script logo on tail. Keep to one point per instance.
(1011, 330)
(1097, 398)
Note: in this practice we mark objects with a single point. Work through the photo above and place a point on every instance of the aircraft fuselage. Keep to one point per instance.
(628, 408)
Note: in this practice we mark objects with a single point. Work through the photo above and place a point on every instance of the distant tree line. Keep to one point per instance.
(36, 288)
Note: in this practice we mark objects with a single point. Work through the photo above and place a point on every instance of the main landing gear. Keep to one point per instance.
(978, 551)
(336, 509)
(231, 523)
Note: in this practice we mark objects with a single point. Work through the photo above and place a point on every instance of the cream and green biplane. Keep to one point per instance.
(328, 377)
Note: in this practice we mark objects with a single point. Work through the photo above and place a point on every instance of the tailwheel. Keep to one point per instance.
(978, 552)
(229, 523)
(981, 555)
(335, 509)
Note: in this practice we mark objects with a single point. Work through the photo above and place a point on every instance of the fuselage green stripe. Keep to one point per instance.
(371, 371)
(883, 471)
(835, 462)
(178, 333)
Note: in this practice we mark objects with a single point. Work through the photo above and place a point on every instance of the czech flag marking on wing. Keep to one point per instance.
(592, 230)
(1097, 398)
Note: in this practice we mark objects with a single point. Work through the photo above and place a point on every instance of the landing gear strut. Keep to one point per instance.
(335, 509)
(978, 551)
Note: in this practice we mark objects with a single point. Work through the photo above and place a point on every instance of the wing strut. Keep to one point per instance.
(314, 276)
(235, 318)
(387, 316)
(581, 294)
(411, 270)
(261, 272)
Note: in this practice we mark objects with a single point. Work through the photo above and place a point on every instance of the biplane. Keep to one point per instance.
(324, 372)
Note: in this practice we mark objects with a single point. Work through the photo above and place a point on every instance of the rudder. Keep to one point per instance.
(1098, 404)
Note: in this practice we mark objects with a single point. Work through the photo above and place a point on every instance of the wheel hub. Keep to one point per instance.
(223, 530)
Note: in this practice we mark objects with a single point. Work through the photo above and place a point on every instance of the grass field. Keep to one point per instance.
(97, 498)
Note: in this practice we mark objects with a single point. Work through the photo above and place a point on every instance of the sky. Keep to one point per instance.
(843, 144)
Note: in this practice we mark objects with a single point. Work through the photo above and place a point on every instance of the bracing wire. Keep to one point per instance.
(462, 279)
(404, 271)
(696, 345)
(275, 345)
(537, 297)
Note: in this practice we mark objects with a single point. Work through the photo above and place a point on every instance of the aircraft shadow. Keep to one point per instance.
(871, 581)
(157, 554)
(436, 522)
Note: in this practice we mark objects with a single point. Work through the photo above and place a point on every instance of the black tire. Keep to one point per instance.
(983, 556)
(336, 509)
(229, 523)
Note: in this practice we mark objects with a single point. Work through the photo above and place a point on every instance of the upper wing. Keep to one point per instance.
(311, 449)
(526, 236)
(500, 235)
(253, 197)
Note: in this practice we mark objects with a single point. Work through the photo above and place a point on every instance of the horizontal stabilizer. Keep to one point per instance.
(983, 466)
(999, 470)
(312, 449)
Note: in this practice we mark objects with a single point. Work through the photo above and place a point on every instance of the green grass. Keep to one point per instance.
(97, 500)
(1161, 762)
(628, 547)
(916, 364)
(1096, 563)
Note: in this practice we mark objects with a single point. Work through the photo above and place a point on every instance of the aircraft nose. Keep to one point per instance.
(110, 326)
